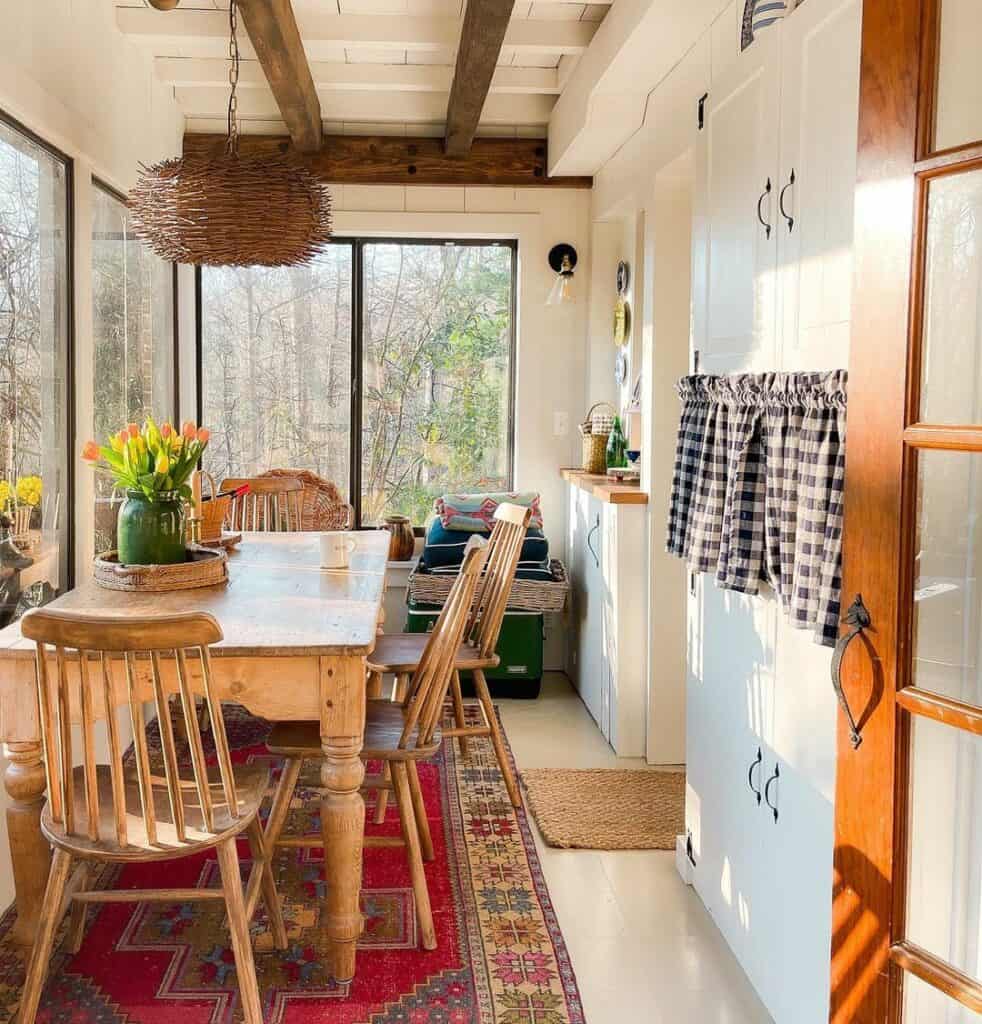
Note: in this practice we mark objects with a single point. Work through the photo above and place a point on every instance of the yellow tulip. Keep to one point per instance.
(163, 463)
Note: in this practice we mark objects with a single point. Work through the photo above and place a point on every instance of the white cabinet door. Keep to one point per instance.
(819, 110)
(735, 211)
(594, 598)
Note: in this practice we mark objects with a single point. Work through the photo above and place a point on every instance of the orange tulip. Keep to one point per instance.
(90, 451)
(166, 430)
(134, 430)
(123, 436)
(203, 434)
(188, 429)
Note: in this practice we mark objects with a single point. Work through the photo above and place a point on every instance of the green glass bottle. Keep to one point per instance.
(616, 447)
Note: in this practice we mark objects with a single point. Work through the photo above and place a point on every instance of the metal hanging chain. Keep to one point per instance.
(232, 141)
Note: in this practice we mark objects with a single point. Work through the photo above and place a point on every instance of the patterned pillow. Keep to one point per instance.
(475, 512)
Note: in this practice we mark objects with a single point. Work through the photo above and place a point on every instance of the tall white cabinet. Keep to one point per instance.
(772, 282)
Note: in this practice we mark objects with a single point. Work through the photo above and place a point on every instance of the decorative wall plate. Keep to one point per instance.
(623, 277)
(622, 321)
(620, 367)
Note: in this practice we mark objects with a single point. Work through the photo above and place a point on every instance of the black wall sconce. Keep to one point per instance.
(562, 259)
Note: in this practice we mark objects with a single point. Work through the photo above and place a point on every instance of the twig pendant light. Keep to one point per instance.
(224, 209)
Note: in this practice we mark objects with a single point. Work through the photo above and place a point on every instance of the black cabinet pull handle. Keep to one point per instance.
(767, 790)
(780, 203)
(858, 618)
(758, 762)
(760, 203)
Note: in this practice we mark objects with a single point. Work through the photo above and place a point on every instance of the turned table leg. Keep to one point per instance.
(30, 853)
(342, 807)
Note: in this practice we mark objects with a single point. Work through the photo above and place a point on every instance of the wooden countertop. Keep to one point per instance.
(611, 491)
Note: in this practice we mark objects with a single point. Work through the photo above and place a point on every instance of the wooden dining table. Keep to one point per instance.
(295, 641)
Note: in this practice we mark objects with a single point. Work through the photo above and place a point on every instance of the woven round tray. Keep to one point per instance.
(205, 567)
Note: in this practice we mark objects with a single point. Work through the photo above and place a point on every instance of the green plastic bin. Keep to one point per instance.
(519, 648)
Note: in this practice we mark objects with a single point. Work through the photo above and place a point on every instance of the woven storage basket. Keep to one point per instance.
(595, 430)
(526, 595)
(323, 506)
(205, 567)
(214, 512)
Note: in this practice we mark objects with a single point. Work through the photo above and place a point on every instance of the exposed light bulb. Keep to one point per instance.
(562, 290)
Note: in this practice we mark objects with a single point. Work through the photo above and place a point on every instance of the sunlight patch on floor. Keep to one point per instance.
(643, 946)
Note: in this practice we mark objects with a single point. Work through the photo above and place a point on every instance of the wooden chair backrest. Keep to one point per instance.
(272, 505)
(431, 680)
(504, 551)
(82, 684)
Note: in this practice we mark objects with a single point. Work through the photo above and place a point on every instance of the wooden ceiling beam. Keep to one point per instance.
(396, 160)
(481, 38)
(276, 40)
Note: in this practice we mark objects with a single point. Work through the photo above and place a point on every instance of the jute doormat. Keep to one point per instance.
(608, 809)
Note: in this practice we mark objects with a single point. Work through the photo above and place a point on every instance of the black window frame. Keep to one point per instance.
(357, 244)
(68, 163)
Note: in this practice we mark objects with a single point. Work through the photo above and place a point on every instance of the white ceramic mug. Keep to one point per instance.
(336, 545)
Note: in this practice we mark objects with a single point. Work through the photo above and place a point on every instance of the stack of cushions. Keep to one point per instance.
(462, 516)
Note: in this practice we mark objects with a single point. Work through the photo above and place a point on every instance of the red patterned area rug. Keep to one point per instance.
(501, 957)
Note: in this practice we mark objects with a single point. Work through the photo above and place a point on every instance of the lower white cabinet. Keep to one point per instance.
(605, 655)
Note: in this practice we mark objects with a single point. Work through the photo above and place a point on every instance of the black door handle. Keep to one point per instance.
(780, 203)
(760, 203)
(858, 618)
(767, 790)
(758, 762)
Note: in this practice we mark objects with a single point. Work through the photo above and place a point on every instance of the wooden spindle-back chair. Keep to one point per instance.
(120, 810)
(396, 733)
(504, 551)
(398, 653)
(273, 504)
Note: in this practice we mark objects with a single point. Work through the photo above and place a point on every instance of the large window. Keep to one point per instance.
(412, 341)
(35, 414)
(133, 329)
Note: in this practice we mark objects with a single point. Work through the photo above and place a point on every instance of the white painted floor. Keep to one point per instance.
(643, 946)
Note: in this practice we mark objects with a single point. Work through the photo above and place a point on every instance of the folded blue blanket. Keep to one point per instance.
(446, 547)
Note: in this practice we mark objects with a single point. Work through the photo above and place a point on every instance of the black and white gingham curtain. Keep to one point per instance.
(757, 491)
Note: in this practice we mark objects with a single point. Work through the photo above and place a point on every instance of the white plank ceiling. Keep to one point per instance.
(379, 66)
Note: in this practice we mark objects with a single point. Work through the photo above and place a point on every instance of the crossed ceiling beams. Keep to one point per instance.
(300, 60)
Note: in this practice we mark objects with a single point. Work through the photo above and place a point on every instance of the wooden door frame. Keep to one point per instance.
(895, 164)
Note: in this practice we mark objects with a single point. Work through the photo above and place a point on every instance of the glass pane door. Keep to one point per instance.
(939, 948)
(958, 103)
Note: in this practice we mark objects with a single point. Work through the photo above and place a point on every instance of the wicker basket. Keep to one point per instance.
(323, 506)
(526, 595)
(205, 567)
(213, 512)
(595, 430)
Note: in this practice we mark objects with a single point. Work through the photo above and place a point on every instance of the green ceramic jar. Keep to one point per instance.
(151, 532)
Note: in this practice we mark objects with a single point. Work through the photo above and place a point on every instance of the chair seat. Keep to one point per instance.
(400, 652)
(251, 782)
(384, 720)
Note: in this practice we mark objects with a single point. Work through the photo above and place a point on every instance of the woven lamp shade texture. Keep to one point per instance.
(230, 210)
